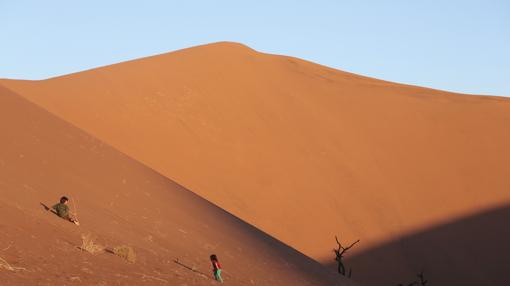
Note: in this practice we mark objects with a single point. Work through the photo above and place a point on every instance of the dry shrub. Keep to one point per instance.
(89, 244)
(125, 252)
(5, 265)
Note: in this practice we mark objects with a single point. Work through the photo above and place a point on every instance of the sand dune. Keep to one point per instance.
(121, 202)
(302, 151)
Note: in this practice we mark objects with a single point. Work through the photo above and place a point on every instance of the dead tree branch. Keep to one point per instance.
(340, 252)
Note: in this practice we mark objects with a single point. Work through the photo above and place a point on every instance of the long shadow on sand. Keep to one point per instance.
(471, 251)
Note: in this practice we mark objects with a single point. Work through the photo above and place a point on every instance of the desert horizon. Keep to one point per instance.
(279, 155)
(349, 143)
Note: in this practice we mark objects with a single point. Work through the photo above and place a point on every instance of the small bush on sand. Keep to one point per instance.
(125, 252)
(89, 244)
(7, 266)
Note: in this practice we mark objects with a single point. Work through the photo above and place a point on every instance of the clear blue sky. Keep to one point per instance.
(461, 46)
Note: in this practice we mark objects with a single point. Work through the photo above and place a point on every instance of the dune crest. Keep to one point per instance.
(302, 151)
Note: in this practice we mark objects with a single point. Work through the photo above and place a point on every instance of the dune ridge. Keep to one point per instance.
(302, 151)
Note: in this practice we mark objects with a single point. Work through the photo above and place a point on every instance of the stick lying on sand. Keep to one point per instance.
(5, 265)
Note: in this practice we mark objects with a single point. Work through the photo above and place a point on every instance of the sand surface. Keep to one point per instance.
(304, 152)
(120, 202)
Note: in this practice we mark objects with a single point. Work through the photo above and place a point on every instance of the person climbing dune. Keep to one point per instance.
(216, 268)
(62, 210)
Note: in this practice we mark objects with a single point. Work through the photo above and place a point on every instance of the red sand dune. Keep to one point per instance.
(302, 151)
(121, 202)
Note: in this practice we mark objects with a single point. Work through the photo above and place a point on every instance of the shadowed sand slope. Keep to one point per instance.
(302, 151)
(121, 202)
(475, 246)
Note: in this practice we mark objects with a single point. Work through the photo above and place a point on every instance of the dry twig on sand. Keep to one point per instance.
(340, 251)
(75, 210)
(5, 265)
(422, 281)
(9, 246)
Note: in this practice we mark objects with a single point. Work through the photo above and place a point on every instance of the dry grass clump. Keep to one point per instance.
(89, 244)
(5, 265)
(125, 252)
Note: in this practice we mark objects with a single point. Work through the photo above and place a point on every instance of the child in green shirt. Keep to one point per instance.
(62, 210)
